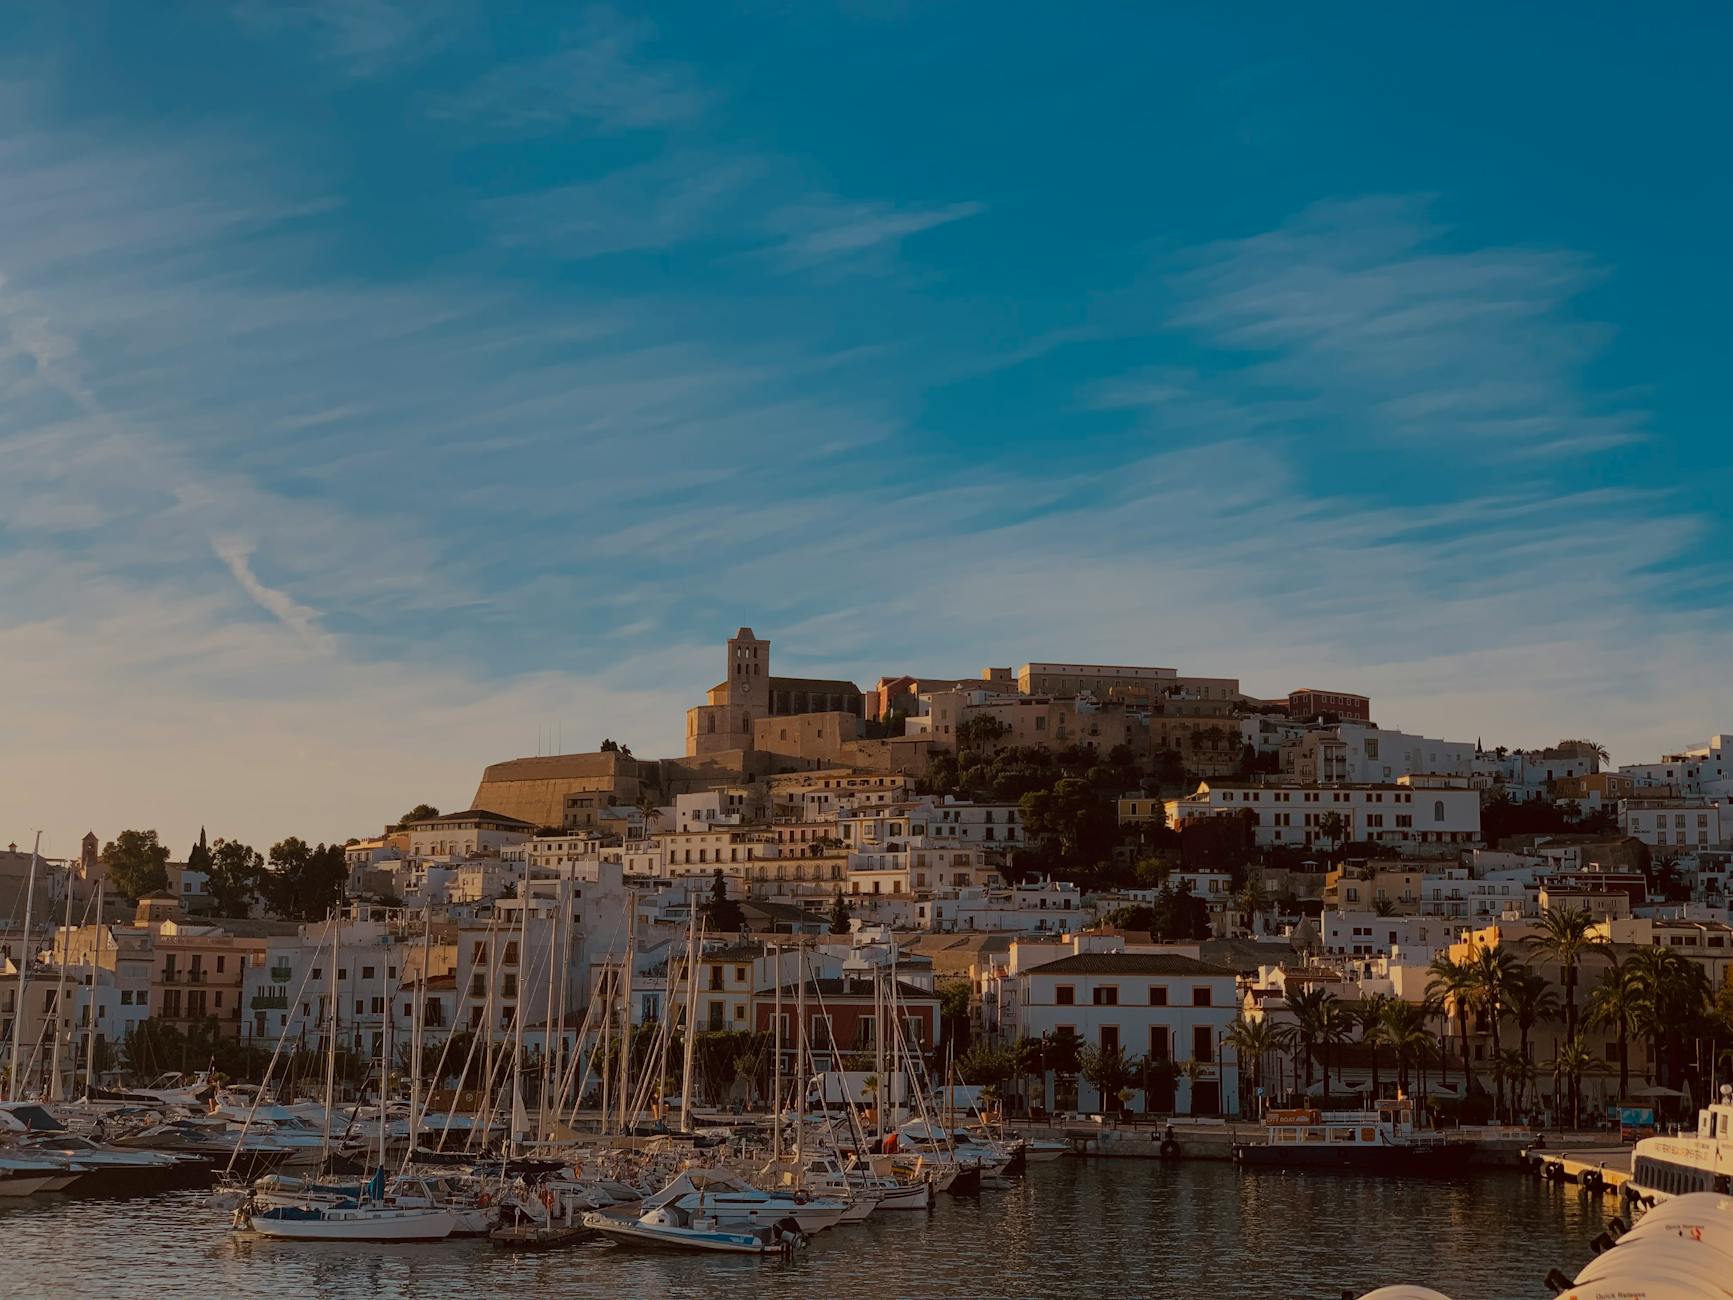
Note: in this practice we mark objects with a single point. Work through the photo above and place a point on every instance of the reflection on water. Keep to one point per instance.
(1073, 1228)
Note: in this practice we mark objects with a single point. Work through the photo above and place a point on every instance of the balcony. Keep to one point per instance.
(282, 974)
(270, 1002)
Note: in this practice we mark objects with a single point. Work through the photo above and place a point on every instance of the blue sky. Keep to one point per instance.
(386, 385)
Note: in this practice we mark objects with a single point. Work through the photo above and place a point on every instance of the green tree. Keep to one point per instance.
(1672, 999)
(1133, 916)
(1406, 1032)
(1574, 1060)
(420, 813)
(1077, 825)
(1532, 999)
(980, 731)
(839, 915)
(136, 862)
(1616, 1003)
(1451, 984)
(954, 1012)
(1061, 1052)
(1491, 974)
(232, 877)
(303, 882)
(1179, 915)
(199, 856)
(1567, 937)
(1311, 1008)
(1110, 1072)
(721, 913)
(1333, 827)
(1368, 1016)
(1254, 1043)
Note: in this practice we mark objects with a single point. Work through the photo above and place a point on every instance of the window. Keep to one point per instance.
(366, 972)
(1107, 995)
(1200, 996)
(1438, 810)
(1064, 995)
(1158, 995)
(219, 965)
(377, 1006)
(1110, 1038)
(1160, 1048)
(508, 986)
(1202, 1043)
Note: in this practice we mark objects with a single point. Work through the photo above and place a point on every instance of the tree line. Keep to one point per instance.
(294, 880)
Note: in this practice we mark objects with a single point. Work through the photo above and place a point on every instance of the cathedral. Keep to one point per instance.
(748, 692)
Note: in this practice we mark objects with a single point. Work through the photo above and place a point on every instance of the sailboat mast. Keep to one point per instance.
(95, 988)
(776, 1085)
(384, 1051)
(560, 1065)
(418, 1028)
(550, 940)
(330, 1047)
(60, 990)
(626, 1003)
(800, 1051)
(15, 1089)
(879, 1057)
(691, 1040)
(518, 1017)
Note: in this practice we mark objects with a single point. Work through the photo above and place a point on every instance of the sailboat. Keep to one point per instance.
(370, 1219)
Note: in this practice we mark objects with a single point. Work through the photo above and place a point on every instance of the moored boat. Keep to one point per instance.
(1379, 1141)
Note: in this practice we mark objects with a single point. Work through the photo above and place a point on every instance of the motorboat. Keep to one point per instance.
(33, 1132)
(1040, 1150)
(1664, 1167)
(824, 1175)
(671, 1227)
(25, 1176)
(1383, 1140)
(721, 1196)
(244, 1155)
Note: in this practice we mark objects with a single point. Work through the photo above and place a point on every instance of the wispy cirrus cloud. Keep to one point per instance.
(827, 231)
(365, 38)
(602, 76)
(1363, 310)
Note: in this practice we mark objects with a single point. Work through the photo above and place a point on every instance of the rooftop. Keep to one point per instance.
(1129, 963)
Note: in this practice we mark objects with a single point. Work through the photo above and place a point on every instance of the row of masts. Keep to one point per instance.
(17, 1070)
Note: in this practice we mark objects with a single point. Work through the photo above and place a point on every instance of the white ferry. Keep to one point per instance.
(1664, 1167)
(1382, 1140)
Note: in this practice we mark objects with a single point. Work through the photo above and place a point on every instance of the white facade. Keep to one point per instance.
(1677, 824)
(1360, 754)
(1705, 769)
(1162, 1006)
(1418, 815)
(1366, 934)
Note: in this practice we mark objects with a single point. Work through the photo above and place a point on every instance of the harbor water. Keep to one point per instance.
(1071, 1228)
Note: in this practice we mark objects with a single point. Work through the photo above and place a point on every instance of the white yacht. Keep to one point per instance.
(1664, 1167)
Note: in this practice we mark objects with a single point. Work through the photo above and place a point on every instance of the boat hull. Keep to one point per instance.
(632, 1233)
(1430, 1160)
(364, 1225)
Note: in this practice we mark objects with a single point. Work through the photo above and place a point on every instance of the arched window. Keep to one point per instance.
(1438, 810)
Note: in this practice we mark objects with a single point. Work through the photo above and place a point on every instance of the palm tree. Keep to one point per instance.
(1369, 1015)
(1491, 973)
(1335, 1027)
(1110, 1072)
(1452, 984)
(1311, 1008)
(1567, 938)
(1574, 1060)
(1254, 1041)
(1253, 901)
(1511, 1065)
(1333, 827)
(1406, 1031)
(1673, 993)
(1531, 999)
(1616, 1003)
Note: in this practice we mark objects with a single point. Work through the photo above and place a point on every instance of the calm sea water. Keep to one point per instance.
(1072, 1228)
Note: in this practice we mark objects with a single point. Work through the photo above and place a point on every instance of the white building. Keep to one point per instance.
(1366, 934)
(1039, 906)
(1676, 824)
(1167, 1008)
(471, 833)
(1705, 769)
(1361, 754)
(1428, 815)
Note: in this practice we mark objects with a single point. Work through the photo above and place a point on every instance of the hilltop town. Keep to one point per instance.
(1170, 880)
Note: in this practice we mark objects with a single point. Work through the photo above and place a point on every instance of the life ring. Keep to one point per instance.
(547, 1198)
(484, 1200)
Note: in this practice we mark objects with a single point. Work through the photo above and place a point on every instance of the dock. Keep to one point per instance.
(1602, 1169)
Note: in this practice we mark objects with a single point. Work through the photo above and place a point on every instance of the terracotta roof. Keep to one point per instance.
(1128, 963)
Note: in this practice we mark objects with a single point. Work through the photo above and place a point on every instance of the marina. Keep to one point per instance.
(1068, 1228)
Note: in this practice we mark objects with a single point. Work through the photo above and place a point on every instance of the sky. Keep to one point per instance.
(387, 389)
